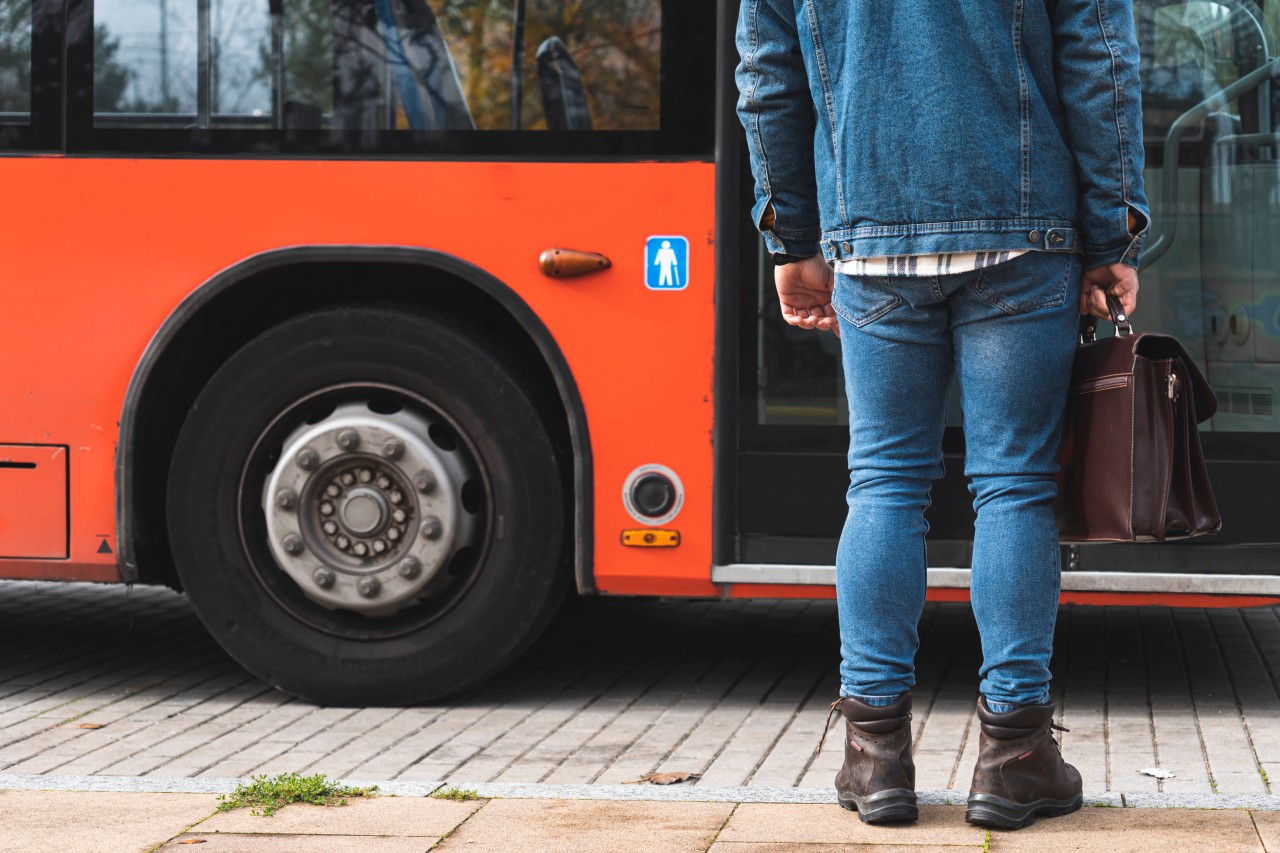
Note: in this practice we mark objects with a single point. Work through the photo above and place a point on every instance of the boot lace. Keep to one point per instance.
(830, 713)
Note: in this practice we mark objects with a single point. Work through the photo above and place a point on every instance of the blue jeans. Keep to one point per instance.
(1009, 333)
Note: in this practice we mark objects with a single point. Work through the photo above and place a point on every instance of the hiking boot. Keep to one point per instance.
(1020, 772)
(878, 777)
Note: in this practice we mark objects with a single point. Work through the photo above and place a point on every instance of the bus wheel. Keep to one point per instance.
(365, 508)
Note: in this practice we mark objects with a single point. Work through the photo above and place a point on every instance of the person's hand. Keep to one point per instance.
(804, 289)
(1120, 280)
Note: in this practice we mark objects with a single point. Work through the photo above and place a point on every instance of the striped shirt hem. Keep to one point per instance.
(949, 263)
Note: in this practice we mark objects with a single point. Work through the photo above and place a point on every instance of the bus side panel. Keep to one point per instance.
(101, 251)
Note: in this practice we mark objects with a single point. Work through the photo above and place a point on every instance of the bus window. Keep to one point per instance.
(15, 62)
(1211, 105)
(377, 65)
(1212, 279)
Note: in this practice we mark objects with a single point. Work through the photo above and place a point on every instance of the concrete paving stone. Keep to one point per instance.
(831, 824)
(1240, 782)
(748, 746)
(644, 755)
(1134, 831)
(386, 816)
(1186, 786)
(789, 847)
(91, 822)
(1158, 672)
(589, 826)
(1272, 773)
(379, 739)
(274, 843)
(1268, 826)
(447, 725)
(1126, 773)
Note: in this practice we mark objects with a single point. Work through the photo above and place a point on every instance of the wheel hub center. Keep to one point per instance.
(364, 511)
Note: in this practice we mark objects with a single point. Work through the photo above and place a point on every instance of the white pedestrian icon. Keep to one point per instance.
(667, 263)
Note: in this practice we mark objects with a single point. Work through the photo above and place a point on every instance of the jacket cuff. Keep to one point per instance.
(1123, 253)
(796, 247)
(1124, 250)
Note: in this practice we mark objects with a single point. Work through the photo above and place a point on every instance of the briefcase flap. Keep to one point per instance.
(1156, 346)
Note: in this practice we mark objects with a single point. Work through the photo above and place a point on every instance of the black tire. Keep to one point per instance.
(497, 590)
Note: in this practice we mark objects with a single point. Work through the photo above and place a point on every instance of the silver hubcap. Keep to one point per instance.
(364, 510)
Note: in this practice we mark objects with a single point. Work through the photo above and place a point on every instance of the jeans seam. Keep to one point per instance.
(828, 103)
(1024, 108)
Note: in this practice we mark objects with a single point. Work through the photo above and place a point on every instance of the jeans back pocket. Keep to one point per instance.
(1028, 283)
(863, 299)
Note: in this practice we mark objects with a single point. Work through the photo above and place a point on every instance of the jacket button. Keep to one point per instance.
(1033, 237)
(1055, 238)
(845, 247)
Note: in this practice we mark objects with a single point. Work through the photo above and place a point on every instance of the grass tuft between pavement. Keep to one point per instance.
(454, 794)
(263, 795)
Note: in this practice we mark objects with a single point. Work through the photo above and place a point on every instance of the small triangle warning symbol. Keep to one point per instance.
(104, 548)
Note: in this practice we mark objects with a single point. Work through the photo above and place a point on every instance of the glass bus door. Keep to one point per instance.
(1211, 95)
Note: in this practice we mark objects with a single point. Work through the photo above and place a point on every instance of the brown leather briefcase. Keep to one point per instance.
(1131, 465)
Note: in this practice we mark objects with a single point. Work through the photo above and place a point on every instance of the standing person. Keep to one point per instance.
(973, 172)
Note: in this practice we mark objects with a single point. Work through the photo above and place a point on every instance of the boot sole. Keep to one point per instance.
(990, 810)
(896, 805)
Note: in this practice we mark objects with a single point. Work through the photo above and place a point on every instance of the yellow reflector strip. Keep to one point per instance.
(650, 538)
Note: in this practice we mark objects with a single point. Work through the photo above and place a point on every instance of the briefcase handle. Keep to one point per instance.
(1089, 323)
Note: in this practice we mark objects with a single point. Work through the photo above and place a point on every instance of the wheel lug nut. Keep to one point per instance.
(343, 542)
(368, 587)
(432, 528)
(326, 508)
(286, 499)
(333, 490)
(307, 459)
(410, 568)
(395, 497)
(383, 482)
(347, 479)
(425, 482)
(365, 475)
(293, 544)
(393, 534)
(323, 578)
(359, 549)
(392, 448)
(330, 528)
(398, 516)
(348, 439)
(379, 546)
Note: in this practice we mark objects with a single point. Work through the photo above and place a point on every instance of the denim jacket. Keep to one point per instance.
(913, 127)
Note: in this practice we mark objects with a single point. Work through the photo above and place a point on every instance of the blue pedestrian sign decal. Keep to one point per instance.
(666, 263)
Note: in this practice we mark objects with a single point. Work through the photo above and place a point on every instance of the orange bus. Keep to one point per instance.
(377, 325)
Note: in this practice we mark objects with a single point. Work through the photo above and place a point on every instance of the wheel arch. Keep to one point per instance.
(245, 299)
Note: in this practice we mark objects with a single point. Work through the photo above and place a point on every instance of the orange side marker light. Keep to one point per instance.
(651, 538)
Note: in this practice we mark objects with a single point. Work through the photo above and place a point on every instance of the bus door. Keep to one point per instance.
(1211, 276)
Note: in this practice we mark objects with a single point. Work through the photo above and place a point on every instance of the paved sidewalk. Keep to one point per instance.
(102, 681)
(114, 823)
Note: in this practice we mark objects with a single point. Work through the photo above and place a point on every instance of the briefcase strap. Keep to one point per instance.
(1089, 323)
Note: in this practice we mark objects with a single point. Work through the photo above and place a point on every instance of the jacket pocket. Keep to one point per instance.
(1034, 281)
(861, 300)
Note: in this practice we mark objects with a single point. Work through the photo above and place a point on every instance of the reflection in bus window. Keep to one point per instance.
(15, 61)
(1213, 261)
(1214, 282)
(378, 64)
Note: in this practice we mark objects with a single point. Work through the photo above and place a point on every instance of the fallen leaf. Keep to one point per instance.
(1158, 772)
(192, 841)
(90, 725)
(668, 778)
